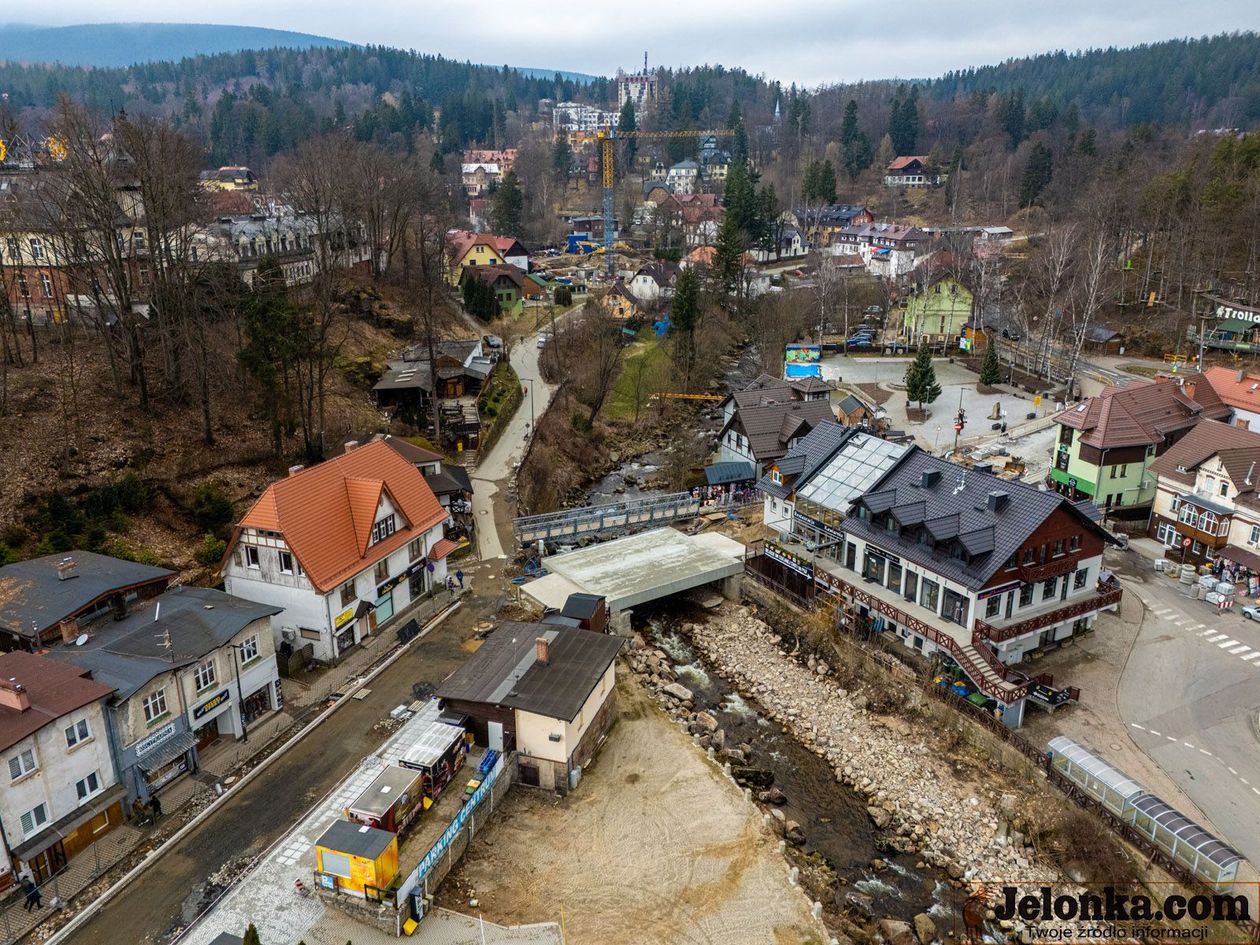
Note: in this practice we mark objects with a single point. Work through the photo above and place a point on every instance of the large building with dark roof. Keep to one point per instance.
(545, 690)
(950, 560)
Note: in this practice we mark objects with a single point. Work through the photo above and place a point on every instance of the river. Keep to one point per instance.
(833, 818)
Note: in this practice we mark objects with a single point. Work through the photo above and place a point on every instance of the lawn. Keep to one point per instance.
(645, 365)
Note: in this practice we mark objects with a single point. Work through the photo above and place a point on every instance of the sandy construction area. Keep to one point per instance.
(655, 847)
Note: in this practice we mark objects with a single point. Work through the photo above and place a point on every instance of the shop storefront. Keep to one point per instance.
(1239, 567)
(53, 847)
(160, 758)
(206, 718)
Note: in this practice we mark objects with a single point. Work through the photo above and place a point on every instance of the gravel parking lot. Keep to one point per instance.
(655, 847)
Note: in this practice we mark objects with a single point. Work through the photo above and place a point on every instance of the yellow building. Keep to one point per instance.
(356, 859)
(229, 178)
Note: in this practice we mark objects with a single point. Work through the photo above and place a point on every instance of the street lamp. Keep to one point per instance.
(531, 383)
(240, 696)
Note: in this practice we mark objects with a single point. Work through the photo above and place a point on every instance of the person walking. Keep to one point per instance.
(156, 806)
(459, 576)
(32, 894)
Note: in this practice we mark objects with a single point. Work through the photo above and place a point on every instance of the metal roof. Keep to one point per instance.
(367, 843)
(505, 671)
(1187, 831)
(384, 792)
(430, 744)
(717, 474)
(1095, 767)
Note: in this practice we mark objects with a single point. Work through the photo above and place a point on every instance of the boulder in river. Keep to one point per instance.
(924, 928)
(753, 777)
(679, 692)
(896, 932)
(707, 721)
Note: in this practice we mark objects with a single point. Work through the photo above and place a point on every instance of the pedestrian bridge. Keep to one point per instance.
(600, 521)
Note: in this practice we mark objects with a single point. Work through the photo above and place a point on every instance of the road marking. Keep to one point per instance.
(1224, 644)
(1231, 771)
(1206, 633)
(1153, 732)
(1197, 626)
(1161, 612)
(1204, 751)
(1188, 745)
(1240, 649)
(1138, 727)
(1171, 738)
(1252, 656)
(1254, 791)
(1214, 636)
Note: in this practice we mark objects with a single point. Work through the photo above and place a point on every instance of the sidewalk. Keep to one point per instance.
(190, 795)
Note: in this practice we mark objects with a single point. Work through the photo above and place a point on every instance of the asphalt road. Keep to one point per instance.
(265, 808)
(1191, 698)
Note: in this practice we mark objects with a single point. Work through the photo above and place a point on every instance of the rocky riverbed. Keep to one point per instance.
(920, 809)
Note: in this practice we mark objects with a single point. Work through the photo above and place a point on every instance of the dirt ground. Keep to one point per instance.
(655, 847)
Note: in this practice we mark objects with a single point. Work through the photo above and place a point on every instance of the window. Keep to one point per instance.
(1025, 595)
(46, 285)
(381, 572)
(1029, 556)
(1078, 581)
(155, 706)
(347, 593)
(415, 549)
(1224, 486)
(286, 562)
(383, 529)
(251, 557)
(37, 249)
(78, 732)
(249, 649)
(912, 585)
(993, 605)
(1058, 548)
(1074, 543)
(22, 763)
(1048, 588)
(203, 675)
(929, 595)
(88, 786)
(894, 577)
(1012, 563)
(1255, 535)
(776, 477)
(33, 819)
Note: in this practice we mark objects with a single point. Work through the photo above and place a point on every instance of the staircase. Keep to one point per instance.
(974, 663)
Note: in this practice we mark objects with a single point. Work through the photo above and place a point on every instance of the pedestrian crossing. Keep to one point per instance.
(1208, 634)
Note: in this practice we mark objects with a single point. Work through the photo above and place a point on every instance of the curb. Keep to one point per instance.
(90, 912)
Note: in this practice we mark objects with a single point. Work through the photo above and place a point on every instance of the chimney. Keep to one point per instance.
(929, 478)
(351, 444)
(984, 467)
(294, 470)
(69, 630)
(13, 695)
(998, 500)
(67, 568)
(1241, 376)
(119, 604)
(541, 652)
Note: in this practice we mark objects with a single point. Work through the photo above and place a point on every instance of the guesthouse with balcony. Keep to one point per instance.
(957, 563)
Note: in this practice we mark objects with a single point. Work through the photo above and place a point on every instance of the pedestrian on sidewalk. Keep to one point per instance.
(459, 576)
(32, 894)
(156, 806)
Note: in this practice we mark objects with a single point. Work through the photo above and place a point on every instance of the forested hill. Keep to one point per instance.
(124, 44)
(1213, 81)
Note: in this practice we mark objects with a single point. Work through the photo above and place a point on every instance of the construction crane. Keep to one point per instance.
(607, 140)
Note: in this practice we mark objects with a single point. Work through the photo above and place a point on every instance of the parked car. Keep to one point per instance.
(542, 340)
(492, 341)
(873, 310)
(1251, 612)
(858, 344)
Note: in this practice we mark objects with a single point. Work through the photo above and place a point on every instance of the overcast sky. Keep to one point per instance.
(807, 41)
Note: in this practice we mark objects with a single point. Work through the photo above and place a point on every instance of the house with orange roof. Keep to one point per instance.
(911, 170)
(465, 248)
(1237, 390)
(345, 548)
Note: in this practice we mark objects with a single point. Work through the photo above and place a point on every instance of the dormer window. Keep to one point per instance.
(775, 477)
(383, 529)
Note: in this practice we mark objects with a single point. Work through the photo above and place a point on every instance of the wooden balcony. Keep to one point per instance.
(1107, 594)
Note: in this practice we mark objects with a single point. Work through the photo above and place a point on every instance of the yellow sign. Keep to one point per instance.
(343, 618)
(58, 149)
(4, 150)
(1037, 400)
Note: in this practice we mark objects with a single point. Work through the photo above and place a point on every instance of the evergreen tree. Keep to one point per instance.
(921, 386)
(561, 158)
(1036, 175)
(728, 252)
(251, 936)
(903, 121)
(819, 183)
(1008, 110)
(739, 146)
(509, 205)
(626, 122)
(990, 371)
(685, 316)
(855, 147)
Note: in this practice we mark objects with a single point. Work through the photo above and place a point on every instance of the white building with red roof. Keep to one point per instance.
(345, 547)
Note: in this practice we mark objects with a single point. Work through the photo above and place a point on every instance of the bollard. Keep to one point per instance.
(709, 751)
(748, 794)
(783, 846)
(794, 875)
(816, 910)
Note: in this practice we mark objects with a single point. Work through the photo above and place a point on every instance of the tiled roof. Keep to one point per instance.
(1238, 449)
(54, 690)
(1141, 415)
(325, 513)
(770, 426)
(1234, 388)
(956, 505)
(900, 163)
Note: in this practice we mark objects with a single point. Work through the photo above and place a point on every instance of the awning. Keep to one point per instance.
(442, 548)
(167, 752)
(365, 607)
(59, 829)
(1248, 559)
(719, 474)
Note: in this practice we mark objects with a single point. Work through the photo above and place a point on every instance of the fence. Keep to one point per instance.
(1040, 761)
(445, 853)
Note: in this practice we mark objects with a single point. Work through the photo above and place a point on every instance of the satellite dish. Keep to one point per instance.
(82, 639)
